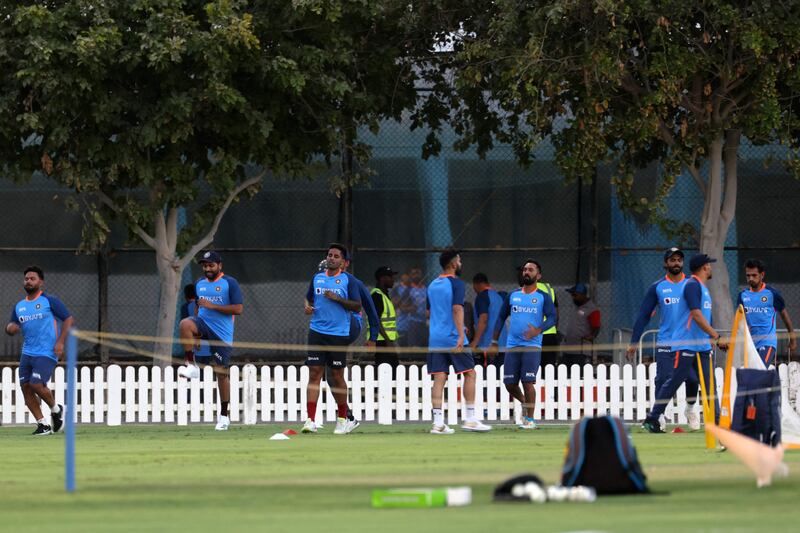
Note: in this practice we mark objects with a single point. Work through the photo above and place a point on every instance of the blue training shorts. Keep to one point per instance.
(220, 353)
(36, 369)
(439, 362)
(522, 366)
(317, 355)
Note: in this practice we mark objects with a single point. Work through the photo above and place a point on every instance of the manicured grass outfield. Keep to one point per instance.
(158, 478)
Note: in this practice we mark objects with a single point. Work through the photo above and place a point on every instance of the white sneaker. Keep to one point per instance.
(691, 418)
(189, 371)
(223, 423)
(351, 425)
(444, 429)
(527, 423)
(341, 425)
(662, 421)
(309, 427)
(475, 425)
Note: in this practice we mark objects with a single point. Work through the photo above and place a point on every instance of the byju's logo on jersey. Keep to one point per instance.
(669, 300)
(524, 309)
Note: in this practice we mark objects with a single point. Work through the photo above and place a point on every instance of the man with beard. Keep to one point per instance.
(446, 343)
(219, 300)
(332, 298)
(691, 340)
(665, 295)
(761, 304)
(532, 311)
(35, 316)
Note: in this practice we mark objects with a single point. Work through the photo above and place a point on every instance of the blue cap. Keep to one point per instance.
(210, 257)
(698, 261)
(579, 288)
(672, 251)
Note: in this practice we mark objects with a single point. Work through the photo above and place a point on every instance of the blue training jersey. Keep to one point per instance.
(329, 317)
(527, 309)
(224, 290)
(761, 308)
(487, 302)
(443, 293)
(689, 336)
(665, 295)
(368, 308)
(38, 319)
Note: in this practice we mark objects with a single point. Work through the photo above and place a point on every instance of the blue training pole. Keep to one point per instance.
(69, 430)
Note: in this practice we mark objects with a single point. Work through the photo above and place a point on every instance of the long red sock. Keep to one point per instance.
(311, 407)
(342, 412)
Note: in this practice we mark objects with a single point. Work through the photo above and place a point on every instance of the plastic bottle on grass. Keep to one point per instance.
(404, 498)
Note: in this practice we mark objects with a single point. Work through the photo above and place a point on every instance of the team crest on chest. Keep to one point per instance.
(38, 306)
(764, 299)
(338, 281)
(218, 289)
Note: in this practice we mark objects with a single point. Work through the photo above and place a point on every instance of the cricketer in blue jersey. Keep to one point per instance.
(762, 303)
(37, 317)
(691, 340)
(530, 312)
(486, 311)
(664, 297)
(446, 343)
(219, 300)
(332, 297)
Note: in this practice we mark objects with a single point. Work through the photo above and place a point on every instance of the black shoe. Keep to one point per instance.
(42, 429)
(652, 426)
(57, 420)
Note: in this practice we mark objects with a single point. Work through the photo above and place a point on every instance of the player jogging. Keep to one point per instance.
(665, 296)
(761, 304)
(35, 316)
(446, 343)
(532, 312)
(219, 300)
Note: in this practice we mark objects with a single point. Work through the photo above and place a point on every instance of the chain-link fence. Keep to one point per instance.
(493, 210)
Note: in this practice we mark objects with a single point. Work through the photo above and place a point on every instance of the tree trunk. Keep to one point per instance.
(170, 269)
(718, 213)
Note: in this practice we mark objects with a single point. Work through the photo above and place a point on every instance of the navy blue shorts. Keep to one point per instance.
(767, 354)
(221, 353)
(522, 366)
(36, 369)
(316, 356)
(439, 363)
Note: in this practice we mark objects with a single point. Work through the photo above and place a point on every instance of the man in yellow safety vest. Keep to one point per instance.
(384, 281)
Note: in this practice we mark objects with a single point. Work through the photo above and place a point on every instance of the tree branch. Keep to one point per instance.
(172, 228)
(209, 236)
(136, 228)
(698, 180)
(730, 157)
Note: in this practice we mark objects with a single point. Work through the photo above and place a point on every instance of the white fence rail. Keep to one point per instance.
(117, 395)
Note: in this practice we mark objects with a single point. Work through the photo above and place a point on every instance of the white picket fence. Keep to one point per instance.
(116, 395)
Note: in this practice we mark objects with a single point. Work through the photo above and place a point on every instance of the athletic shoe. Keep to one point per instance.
(341, 426)
(189, 371)
(444, 429)
(528, 423)
(351, 425)
(57, 420)
(691, 418)
(475, 425)
(223, 423)
(652, 426)
(309, 427)
(42, 429)
(662, 422)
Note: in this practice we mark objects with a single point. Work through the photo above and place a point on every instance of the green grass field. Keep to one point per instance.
(169, 478)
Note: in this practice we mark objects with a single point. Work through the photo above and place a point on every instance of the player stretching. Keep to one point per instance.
(219, 300)
(532, 311)
(446, 343)
(333, 295)
(665, 294)
(43, 344)
(761, 303)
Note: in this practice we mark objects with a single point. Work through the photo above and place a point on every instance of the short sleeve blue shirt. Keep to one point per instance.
(222, 291)
(329, 317)
(761, 308)
(38, 319)
(443, 293)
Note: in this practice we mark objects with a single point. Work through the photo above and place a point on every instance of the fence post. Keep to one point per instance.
(114, 379)
(385, 394)
(250, 398)
(401, 386)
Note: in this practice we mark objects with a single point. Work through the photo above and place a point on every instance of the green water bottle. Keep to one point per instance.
(405, 498)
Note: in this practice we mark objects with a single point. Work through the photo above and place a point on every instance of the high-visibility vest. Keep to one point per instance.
(388, 317)
(546, 287)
